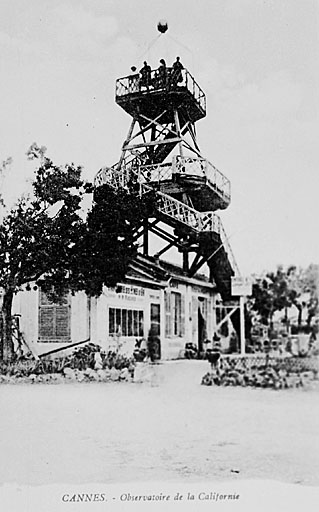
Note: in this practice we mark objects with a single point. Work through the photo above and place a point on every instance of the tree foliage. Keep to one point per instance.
(44, 238)
(32, 241)
(107, 243)
(279, 290)
(4, 165)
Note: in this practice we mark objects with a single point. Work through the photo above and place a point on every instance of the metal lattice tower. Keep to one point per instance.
(161, 152)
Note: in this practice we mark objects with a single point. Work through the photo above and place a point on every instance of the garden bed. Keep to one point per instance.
(263, 371)
(86, 364)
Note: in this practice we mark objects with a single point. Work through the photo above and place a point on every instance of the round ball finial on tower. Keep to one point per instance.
(162, 26)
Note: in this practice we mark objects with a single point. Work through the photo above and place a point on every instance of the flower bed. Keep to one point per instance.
(85, 364)
(264, 371)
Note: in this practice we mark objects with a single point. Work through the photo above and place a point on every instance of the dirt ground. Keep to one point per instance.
(171, 429)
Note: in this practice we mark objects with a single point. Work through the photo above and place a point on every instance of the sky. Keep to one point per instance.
(257, 61)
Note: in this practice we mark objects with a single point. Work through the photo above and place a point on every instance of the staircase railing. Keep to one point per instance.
(168, 206)
(225, 241)
(198, 221)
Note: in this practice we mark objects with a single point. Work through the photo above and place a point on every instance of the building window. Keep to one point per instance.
(174, 314)
(54, 319)
(126, 322)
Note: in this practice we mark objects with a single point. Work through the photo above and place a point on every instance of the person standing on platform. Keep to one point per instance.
(162, 73)
(145, 73)
(177, 72)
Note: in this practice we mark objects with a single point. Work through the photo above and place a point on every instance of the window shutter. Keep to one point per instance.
(46, 322)
(54, 319)
(62, 324)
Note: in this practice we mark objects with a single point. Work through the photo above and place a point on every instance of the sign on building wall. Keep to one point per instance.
(241, 286)
(126, 293)
(130, 290)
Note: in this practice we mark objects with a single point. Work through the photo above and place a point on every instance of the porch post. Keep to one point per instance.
(242, 324)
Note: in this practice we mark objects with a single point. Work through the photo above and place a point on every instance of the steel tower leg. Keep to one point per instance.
(185, 261)
(178, 130)
(128, 138)
(145, 238)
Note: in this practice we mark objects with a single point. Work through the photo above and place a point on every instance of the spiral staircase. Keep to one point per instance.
(161, 153)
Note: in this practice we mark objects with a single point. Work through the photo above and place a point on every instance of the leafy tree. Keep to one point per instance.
(277, 291)
(310, 285)
(34, 242)
(107, 243)
(44, 238)
(3, 167)
(270, 293)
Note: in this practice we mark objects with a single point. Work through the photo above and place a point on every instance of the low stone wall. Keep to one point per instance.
(85, 364)
(69, 375)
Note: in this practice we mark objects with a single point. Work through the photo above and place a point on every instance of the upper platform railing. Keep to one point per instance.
(167, 80)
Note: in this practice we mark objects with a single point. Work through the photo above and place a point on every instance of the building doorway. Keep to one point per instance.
(202, 323)
(199, 322)
(201, 331)
(154, 335)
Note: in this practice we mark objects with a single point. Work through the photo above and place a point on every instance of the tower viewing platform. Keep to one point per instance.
(160, 94)
(207, 187)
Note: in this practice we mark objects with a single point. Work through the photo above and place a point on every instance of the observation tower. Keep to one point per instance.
(161, 152)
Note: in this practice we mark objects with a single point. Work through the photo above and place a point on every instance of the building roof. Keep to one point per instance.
(158, 273)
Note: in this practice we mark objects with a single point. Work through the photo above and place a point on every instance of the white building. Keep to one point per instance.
(155, 295)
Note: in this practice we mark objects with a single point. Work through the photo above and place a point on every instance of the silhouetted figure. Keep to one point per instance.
(153, 345)
(213, 357)
(177, 72)
(191, 351)
(162, 73)
(145, 73)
